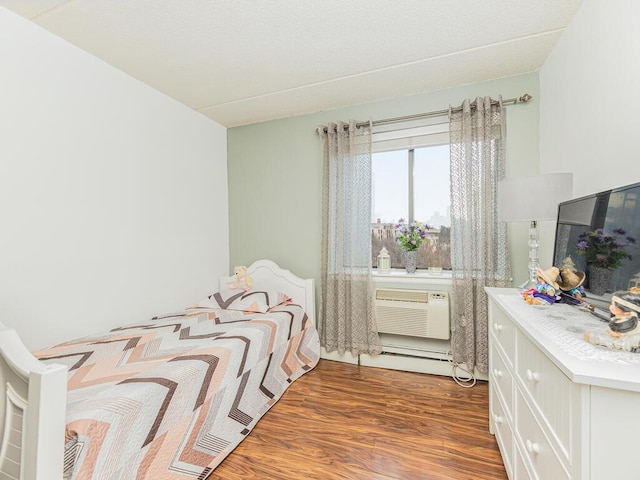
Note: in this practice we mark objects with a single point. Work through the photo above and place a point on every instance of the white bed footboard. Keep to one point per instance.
(33, 412)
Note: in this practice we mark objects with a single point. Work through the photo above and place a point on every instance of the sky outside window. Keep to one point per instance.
(431, 191)
(390, 186)
(431, 186)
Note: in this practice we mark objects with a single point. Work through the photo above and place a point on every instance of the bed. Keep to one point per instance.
(168, 398)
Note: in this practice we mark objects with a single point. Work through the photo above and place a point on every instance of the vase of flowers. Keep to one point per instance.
(604, 252)
(410, 237)
(599, 279)
(410, 260)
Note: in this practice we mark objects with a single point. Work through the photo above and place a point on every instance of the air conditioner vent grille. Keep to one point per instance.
(417, 313)
(419, 296)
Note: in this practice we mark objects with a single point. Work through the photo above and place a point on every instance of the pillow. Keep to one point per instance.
(256, 301)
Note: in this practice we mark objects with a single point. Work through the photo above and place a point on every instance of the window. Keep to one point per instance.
(412, 183)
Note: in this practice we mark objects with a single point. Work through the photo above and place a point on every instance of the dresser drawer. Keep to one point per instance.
(502, 331)
(520, 469)
(502, 430)
(535, 445)
(501, 379)
(553, 394)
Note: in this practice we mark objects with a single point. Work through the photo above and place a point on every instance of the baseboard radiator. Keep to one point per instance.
(417, 313)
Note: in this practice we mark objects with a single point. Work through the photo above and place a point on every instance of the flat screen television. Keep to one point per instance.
(610, 211)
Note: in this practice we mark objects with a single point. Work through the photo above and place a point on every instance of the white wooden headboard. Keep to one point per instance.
(266, 274)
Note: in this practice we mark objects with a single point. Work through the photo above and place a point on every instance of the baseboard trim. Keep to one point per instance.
(403, 362)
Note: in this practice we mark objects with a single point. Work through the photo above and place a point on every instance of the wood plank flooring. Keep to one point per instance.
(342, 421)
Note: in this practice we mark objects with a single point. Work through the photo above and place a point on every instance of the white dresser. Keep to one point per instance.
(560, 408)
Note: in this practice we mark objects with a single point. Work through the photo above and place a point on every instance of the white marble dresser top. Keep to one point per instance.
(559, 331)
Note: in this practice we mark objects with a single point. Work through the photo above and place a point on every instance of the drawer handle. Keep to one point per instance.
(497, 327)
(533, 376)
(497, 419)
(497, 373)
(532, 447)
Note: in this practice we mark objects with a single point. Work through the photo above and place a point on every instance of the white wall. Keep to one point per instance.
(589, 98)
(275, 173)
(113, 197)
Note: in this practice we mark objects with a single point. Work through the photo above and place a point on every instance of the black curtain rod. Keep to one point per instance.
(436, 113)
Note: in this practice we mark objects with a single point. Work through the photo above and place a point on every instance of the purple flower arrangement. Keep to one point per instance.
(411, 236)
(603, 249)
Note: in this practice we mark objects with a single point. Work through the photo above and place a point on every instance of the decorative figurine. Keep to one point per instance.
(571, 280)
(624, 328)
(546, 288)
(548, 281)
(568, 263)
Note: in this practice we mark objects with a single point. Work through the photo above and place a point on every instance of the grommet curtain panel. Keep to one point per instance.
(479, 248)
(346, 322)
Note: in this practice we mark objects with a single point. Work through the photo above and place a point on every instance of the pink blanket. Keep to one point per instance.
(171, 398)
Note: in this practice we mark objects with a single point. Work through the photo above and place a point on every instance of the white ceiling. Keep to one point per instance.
(245, 61)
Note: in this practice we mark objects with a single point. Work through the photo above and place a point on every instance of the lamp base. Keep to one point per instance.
(527, 285)
(533, 258)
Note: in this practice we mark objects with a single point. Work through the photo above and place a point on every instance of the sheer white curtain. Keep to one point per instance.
(479, 250)
(346, 312)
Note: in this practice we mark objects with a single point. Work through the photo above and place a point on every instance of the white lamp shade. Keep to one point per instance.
(523, 199)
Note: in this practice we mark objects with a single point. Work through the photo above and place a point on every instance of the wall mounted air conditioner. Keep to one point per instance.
(417, 313)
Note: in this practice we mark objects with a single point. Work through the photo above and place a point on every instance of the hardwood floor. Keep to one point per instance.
(342, 421)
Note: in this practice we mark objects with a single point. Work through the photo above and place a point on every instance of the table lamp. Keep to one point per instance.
(533, 199)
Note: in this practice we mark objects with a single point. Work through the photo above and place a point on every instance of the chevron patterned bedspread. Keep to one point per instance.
(171, 398)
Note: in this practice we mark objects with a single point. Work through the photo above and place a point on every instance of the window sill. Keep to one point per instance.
(401, 272)
(421, 276)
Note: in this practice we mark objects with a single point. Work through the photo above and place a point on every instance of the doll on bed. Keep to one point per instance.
(242, 280)
(624, 327)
